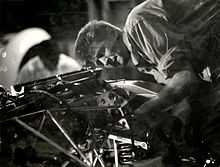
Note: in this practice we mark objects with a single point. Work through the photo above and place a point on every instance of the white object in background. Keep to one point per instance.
(15, 50)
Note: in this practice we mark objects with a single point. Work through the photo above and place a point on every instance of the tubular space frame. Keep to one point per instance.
(52, 143)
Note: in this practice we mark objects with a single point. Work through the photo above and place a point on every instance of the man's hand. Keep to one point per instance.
(150, 112)
(183, 84)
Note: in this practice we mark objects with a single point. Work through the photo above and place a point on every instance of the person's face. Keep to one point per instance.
(108, 53)
(113, 54)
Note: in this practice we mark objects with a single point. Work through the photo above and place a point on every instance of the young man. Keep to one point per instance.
(175, 40)
(100, 44)
(96, 45)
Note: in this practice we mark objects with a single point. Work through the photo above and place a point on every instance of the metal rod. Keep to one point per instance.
(25, 115)
(40, 128)
(48, 94)
(42, 123)
(67, 137)
(93, 108)
(95, 161)
(52, 143)
(141, 144)
(116, 153)
(99, 158)
(63, 76)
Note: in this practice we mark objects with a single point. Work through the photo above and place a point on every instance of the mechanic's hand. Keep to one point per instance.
(140, 129)
(151, 113)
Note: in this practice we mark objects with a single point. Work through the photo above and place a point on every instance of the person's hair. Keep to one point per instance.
(93, 31)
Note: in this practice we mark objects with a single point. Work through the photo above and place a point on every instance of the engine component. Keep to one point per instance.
(125, 154)
(73, 119)
(67, 107)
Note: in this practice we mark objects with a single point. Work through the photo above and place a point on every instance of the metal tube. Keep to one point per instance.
(67, 137)
(116, 153)
(99, 158)
(42, 123)
(95, 161)
(25, 115)
(40, 128)
(52, 143)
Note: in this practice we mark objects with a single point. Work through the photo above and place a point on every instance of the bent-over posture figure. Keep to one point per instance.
(175, 41)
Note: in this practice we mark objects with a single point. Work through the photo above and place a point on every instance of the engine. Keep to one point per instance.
(65, 119)
(77, 119)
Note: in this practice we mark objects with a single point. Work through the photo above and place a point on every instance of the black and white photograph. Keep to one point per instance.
(109, 83)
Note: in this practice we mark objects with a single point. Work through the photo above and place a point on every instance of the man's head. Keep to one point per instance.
(100, 43)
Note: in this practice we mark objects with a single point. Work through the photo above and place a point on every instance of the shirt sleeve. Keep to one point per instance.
(139, 39)
(156, 48)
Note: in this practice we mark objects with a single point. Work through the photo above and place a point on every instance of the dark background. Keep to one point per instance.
(62, 19)
(53, 15)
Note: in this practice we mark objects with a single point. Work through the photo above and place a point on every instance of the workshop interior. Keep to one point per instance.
(58, 109)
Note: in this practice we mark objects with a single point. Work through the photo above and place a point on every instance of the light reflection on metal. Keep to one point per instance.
(115, 152)
(98, 157)
(3, 53)
(128, 141)
(15, 92)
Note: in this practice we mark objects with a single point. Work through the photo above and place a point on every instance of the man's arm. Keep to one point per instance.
(144, 39)
(182, 84)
